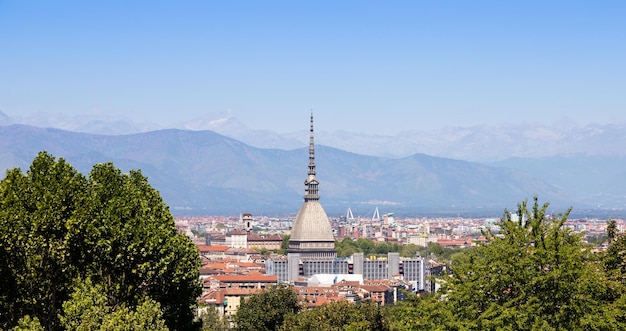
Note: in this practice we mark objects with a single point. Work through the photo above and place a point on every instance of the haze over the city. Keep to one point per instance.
(362, 66)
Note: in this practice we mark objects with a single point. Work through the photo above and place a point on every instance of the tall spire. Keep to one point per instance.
(311, 192)
(311, 151)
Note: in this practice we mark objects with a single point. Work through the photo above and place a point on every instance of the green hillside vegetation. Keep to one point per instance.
(91, 253)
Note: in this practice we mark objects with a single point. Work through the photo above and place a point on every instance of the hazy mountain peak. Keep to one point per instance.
(482, 143)
(94, 122)
(212, 173)
(5, 119)
(222, 122)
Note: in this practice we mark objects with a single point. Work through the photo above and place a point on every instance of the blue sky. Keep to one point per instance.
(362, 66)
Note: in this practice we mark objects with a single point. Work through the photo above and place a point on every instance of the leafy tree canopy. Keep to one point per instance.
(88, 309)
(267, 310)
(212, 320)
(336, 316)
(27, 323)
(442, 253)
(113, 228)
(420, 313)
(534, 274)
(347, 247)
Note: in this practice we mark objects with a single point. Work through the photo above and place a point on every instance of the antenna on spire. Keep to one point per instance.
(311, 183)
(311, 149)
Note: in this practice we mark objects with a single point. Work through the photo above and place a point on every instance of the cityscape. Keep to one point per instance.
(240, 253)
(385, 262)
(300, 166)
(419, 231)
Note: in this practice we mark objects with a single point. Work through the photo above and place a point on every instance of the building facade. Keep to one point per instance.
(312, 244)
(312, 237)
(393, 266)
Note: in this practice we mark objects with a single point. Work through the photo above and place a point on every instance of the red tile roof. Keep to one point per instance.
(257, 277)
(216, 248)
(375, 288)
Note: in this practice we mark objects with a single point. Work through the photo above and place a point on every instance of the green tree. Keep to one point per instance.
(383, 248)
(420, 313)
(56, 226)
(146, 316)
(366, 246)
(267, 310)
(27, 323)
(534, 274)
(611, 230)
(34, 249)
(341, 315)
(615, 257)
(442, 253)
(127, 241)
(346, 247)
(212, 320)
(88, 310)
(284, 245)
(412, 250)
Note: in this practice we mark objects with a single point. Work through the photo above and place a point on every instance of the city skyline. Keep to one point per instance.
(361, 66)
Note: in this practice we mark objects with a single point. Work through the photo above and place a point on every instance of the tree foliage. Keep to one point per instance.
(420, 313)
(26, 323)
(110, 227)
(34, 248)
(284, 245)
(615, 259)
(412, 250)
(442, 253)
(88, 309)
(347, 247)
(212, 320)
(534, 274)
(336, 316)
(267, 310)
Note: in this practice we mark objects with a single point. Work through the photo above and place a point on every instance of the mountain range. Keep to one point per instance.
(481, 143)
(201, 171)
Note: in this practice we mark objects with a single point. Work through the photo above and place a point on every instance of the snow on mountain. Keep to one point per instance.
(483, 143)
